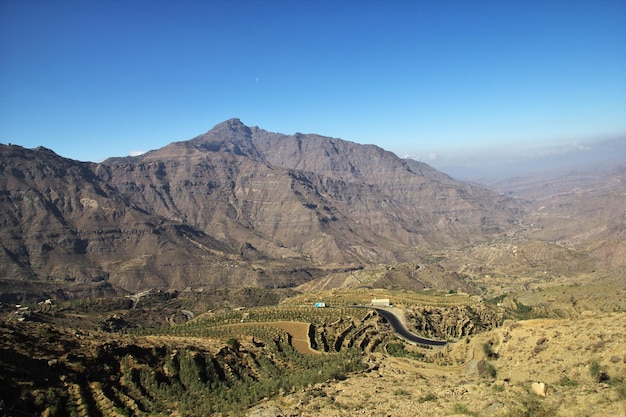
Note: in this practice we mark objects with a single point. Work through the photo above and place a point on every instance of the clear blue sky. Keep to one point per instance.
(93, 79)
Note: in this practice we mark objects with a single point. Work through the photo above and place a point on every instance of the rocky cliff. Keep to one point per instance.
(330, 200)
(237, 206)
(62, 224)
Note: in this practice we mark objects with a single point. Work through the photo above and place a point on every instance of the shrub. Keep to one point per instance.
(620, 386)
(598, 372)
(428, 397)
(532, 406)
(486, 370)
(459, 408)
(498, 388)
(565, 381)
(396, 349)
(233, 344)
(488, 349)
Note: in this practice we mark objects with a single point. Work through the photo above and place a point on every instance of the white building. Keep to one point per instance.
(380, 302)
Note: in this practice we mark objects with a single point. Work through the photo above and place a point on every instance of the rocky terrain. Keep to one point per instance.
(330, 200)
(538, 368)
(182, 282)
(101, 358)
(232, 207)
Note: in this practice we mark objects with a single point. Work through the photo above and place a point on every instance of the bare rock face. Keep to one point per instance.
(454, 322)
(538, 388)
(61, 223)
(331, 200)
(237, 206)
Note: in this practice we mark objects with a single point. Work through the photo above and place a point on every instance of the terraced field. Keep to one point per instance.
(224, 362)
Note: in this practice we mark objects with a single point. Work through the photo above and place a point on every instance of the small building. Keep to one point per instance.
(320, 305)
(380, 302)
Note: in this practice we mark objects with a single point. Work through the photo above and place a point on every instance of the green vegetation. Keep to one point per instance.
(498, 388)
(523, 312)
(460, 408)
(231, 381)
(488, 350)
(430, 297)
(486, 370)
(201, 383)
(401, 392)
(399, 351)
(233, 343)
(224, 362)
(532, 406)
(620, 385)
(496, 300)
(208, 325)
(565, 381)
(428, 397)
(598, 372)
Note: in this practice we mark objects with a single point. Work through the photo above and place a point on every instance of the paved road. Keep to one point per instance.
(404, 332)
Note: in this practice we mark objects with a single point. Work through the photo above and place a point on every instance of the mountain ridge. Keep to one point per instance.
(232, 206)
(343, 178)
(240, 206)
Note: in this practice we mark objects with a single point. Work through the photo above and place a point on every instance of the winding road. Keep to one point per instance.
(403, 332)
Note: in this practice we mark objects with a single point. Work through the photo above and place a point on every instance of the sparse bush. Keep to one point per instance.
(594, 368)
(565, 381)
(486, 370)
(522, 311)
(428, 397)
(399, 351)
(597, 372)
(498, 388)
(488, 349)
(396, 349)
(620, 385)
(233, 344)
(496, 300)
(532, 406)
(460, 408)
(401, 392)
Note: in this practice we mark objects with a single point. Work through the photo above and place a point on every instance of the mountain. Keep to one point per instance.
(580, 209)
(236, 206)
(330, 200)
(66, 231)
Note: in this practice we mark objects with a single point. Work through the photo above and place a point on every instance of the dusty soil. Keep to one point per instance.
(299, 332)
(300, 336)
(562, 354)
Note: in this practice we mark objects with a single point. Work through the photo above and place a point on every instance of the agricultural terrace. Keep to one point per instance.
(308, 329)
(261, 322)
(306, 314)
(343, 297)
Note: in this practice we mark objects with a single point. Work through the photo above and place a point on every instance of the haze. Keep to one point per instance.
(454, 84)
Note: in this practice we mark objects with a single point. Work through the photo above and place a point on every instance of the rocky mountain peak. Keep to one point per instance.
(230, 136)
(301, 199)
(234, 125)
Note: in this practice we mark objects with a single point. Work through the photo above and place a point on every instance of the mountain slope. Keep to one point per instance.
(327, 199)
(585, 209)
(237, 206)
(61, 223)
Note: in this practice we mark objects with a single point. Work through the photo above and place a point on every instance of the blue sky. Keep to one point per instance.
(427, 79)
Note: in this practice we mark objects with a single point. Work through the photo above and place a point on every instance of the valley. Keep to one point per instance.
(184, 282)
(104, 357)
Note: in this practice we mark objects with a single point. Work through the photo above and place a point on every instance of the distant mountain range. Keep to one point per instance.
(498, 165)
(237, 206)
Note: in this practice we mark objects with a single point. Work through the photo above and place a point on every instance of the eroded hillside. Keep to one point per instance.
(295, 359)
